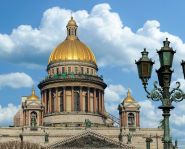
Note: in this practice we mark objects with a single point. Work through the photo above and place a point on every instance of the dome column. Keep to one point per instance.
(52, 100)
(49, 109)
(45, 103)
(81, 99)
(99, 100)
(95, 101)
(88, 96)
(56, 100)
(72, 99)
(42, 97)
(64, 98)
(102, 102)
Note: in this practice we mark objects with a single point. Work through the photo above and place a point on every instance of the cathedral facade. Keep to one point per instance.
(71, 112)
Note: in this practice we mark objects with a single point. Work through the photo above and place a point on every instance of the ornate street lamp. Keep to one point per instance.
(162, 92)
(144, 66)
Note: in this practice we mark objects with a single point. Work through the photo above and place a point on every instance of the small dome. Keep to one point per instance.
(33, 96)
(129, 98)
(71, 22)
(72, 49)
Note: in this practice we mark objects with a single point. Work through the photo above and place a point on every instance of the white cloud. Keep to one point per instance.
(101, 28)
(114, 95)
(15, 80)
(7, 113)
(150, 115)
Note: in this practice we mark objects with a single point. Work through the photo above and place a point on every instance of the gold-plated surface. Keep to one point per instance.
(33, 96)
(71, 22)
(72, 48)
(129, 98)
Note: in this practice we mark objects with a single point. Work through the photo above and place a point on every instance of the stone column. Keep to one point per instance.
(45, 96)
(138, 118)
(88, 97)
(25, 112)
(64, 98)
(49, 108)
(42, 97)
(40, 118)
(81, 100)
(59, 96)
(28, 118)
(126, 117)
(24, 118)
(56, 100)
(99, 97)
(72, 99)
(123, 119)
(41, 112)
(102, 102)
(95, 101)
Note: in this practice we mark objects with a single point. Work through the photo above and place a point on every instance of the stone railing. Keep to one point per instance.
(72, 76)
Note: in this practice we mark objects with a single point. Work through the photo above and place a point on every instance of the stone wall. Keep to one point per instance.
(57, 134)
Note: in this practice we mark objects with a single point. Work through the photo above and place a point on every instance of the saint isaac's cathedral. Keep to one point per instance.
(71, 112)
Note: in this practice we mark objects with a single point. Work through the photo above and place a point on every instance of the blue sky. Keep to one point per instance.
(117, 31)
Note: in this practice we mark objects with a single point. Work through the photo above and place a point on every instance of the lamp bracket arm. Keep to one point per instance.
(146, 90)
(174, 89)
(177, 94)
(155, 94)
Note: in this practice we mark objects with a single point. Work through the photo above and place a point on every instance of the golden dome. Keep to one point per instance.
(33, 96)
(72, 48)
(129, 98)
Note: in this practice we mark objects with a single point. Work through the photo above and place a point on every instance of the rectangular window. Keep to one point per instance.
(87, 70)
(76, 70)
(69, 69)
(82, 70)
(63, 69)
(92, 71)
(57, 70)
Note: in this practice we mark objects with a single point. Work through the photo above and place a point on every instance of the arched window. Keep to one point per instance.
(33, 119)
(76, 101)
(131, 119)
(61, 102)
(86, 103)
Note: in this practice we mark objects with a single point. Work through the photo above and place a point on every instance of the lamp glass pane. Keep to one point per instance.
(167, 58)
(145, 69)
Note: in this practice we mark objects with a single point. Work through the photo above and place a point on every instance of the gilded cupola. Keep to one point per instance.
(33, 96)
(72, 49)
(129, 98)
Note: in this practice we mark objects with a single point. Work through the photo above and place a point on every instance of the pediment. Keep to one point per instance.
(90, 140)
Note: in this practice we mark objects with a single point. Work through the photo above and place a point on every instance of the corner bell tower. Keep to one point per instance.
(129, 111)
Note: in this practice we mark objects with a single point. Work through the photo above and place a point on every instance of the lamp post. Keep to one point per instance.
(162, 91)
